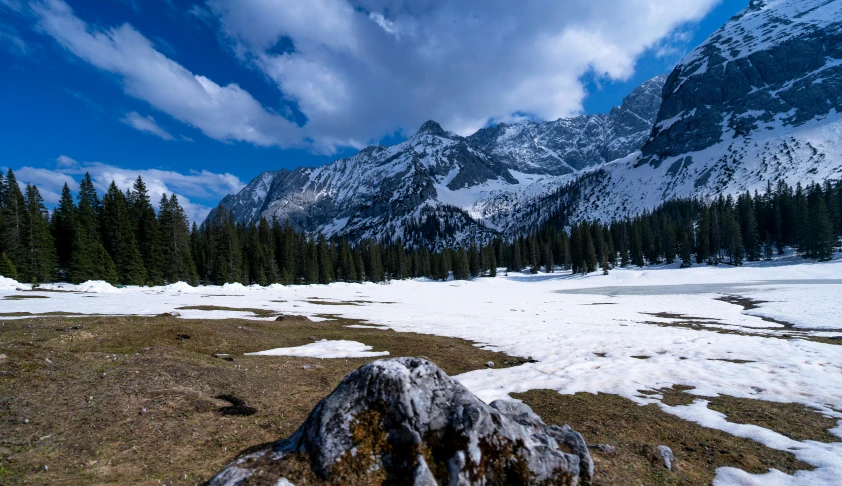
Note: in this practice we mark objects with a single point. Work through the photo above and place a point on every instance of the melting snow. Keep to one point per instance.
(325, 349)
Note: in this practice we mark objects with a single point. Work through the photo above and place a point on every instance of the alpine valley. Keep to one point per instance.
(760, 101)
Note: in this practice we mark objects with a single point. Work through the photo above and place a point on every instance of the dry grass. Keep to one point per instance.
(66, 403)
(790, 419)
(636, 431)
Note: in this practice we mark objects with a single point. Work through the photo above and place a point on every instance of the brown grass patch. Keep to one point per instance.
(790, 419)
(635, 431)
(153, 416)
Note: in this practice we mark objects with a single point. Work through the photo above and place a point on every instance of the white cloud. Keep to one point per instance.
(362, 70)
(145, 124)
(221, 112)
(358, 73)
(190, 187)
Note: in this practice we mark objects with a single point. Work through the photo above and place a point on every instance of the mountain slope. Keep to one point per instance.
(567, 145)
(759, 101)
(381, 191)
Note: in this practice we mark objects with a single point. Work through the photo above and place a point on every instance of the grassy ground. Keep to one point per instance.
(131, 400)
(135, 400)
(636, 431)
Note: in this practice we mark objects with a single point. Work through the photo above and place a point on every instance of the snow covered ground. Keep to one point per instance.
(586, 333)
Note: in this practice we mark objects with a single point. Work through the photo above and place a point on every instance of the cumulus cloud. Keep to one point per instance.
(358, 72)
(361, 70)
(221, 112)
(145, 124)
(190, 187)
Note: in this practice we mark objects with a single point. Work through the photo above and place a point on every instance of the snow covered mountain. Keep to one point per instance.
(759, 101)
(382, 192)
(473, 185)
(568, 145)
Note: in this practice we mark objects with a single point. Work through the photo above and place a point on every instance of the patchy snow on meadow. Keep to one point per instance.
(325, 349)
(632, 330)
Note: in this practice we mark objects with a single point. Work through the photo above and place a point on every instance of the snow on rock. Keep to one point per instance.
(392, 416)
(325, 349)
(97, 287)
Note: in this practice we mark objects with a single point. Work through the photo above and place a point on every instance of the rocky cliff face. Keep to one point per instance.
(568, 145)
(404, 421)
(776, 64)
(759, 101)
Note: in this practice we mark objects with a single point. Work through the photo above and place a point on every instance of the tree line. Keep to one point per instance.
(122, 239)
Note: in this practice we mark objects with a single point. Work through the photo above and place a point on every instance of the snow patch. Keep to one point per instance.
(97, 287)
(325, 349)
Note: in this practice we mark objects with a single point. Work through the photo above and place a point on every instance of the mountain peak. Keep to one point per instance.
(431, 127)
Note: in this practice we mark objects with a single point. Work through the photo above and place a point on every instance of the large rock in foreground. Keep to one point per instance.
(404, 421)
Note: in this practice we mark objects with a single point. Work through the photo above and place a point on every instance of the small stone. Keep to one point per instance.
(604, 448)
(490, 364)
(3, 356)
(280, 318)
(143, 410)
(667, 456)
(313, 338)
(46, 468)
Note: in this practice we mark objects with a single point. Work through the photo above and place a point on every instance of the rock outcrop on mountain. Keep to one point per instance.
(404, 421)
(568, 145)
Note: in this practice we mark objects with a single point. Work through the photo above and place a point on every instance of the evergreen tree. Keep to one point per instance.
(62, 226)
(146, 231)
(821, 238)
(37, 249)
(14, 215)
(118, 237)
(174, 228)
(7, 268)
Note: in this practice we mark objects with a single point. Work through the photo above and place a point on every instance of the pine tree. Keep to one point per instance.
(821, 238)
(14, 214)
(174, 227)
(37, 247)
(89, 261)
(7, 268)
(146, 231)
(62, 226)
(118, 237)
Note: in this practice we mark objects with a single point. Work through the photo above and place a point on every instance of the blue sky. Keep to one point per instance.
(200, 96)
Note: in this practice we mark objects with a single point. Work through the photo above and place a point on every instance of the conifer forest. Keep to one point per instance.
(120, 238)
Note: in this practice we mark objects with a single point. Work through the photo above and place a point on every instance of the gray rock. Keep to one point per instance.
(604, 448)
(667, 456)
(489, 364)
(407, 422)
